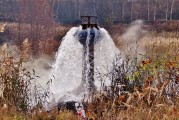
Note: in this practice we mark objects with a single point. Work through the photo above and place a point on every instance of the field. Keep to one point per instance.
(146, 87)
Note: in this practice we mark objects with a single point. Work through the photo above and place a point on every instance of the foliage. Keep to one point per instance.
(145, 88)
(142, 88)
(18, 91)
(15, 81)
(168, 26)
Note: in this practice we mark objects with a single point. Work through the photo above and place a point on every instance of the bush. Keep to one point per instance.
(17, 85)
(168, 26)
(145, 88)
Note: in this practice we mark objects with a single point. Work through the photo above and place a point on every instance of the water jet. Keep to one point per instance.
(85, 55)
(87, 39)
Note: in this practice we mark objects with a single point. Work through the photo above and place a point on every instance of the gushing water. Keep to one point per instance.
(68, 69)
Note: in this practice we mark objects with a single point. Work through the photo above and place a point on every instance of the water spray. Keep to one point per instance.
(87, 37)
(84, 58)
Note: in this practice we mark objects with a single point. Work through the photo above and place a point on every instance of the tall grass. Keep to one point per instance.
(19, 95)
(145, 86)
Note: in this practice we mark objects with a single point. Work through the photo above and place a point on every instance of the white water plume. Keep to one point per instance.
(105, 54)
(68, 67)
(87, 61)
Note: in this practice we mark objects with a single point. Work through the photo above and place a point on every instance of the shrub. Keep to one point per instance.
(145, 88)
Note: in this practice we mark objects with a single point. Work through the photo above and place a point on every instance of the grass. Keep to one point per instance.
(44, 42)
(145, 88)
(150, 85)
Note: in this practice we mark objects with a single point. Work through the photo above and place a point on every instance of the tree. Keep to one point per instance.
(123, 10)
(171, 10)
(148, 11)
(155, 9)
(132, 4)
(167, 8)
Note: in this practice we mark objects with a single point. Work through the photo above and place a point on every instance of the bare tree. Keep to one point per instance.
(167, 8)
(132, 5)
(155, 9)
(94, 7)
(36, 12)
(171, 11)
(148, 11)
(77, 9)
(57, 10)
(123, 10)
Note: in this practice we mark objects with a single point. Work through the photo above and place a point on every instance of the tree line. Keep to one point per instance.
(106, 10)
(119, 10)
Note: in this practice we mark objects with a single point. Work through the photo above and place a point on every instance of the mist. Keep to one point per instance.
(131, 39)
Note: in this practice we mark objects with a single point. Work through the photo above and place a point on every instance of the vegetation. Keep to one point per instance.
(143, 89)
(145, 86)
(18, 92)
(108, 11)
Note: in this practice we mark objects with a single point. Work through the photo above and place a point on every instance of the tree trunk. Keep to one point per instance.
(131, 10)
(57, 12)
(171, 11)
(166, 14)
(148, 11)
(123, 10)
(78, 9)
(155, 9)
(31, 26)
(95, 7)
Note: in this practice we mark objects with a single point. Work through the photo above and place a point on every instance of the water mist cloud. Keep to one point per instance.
(131, 38)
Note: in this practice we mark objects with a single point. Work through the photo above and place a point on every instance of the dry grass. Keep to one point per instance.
(2, 27)
(9, 114)
(154, 90)
(48, 47)
(45, 41)
(149, 91)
